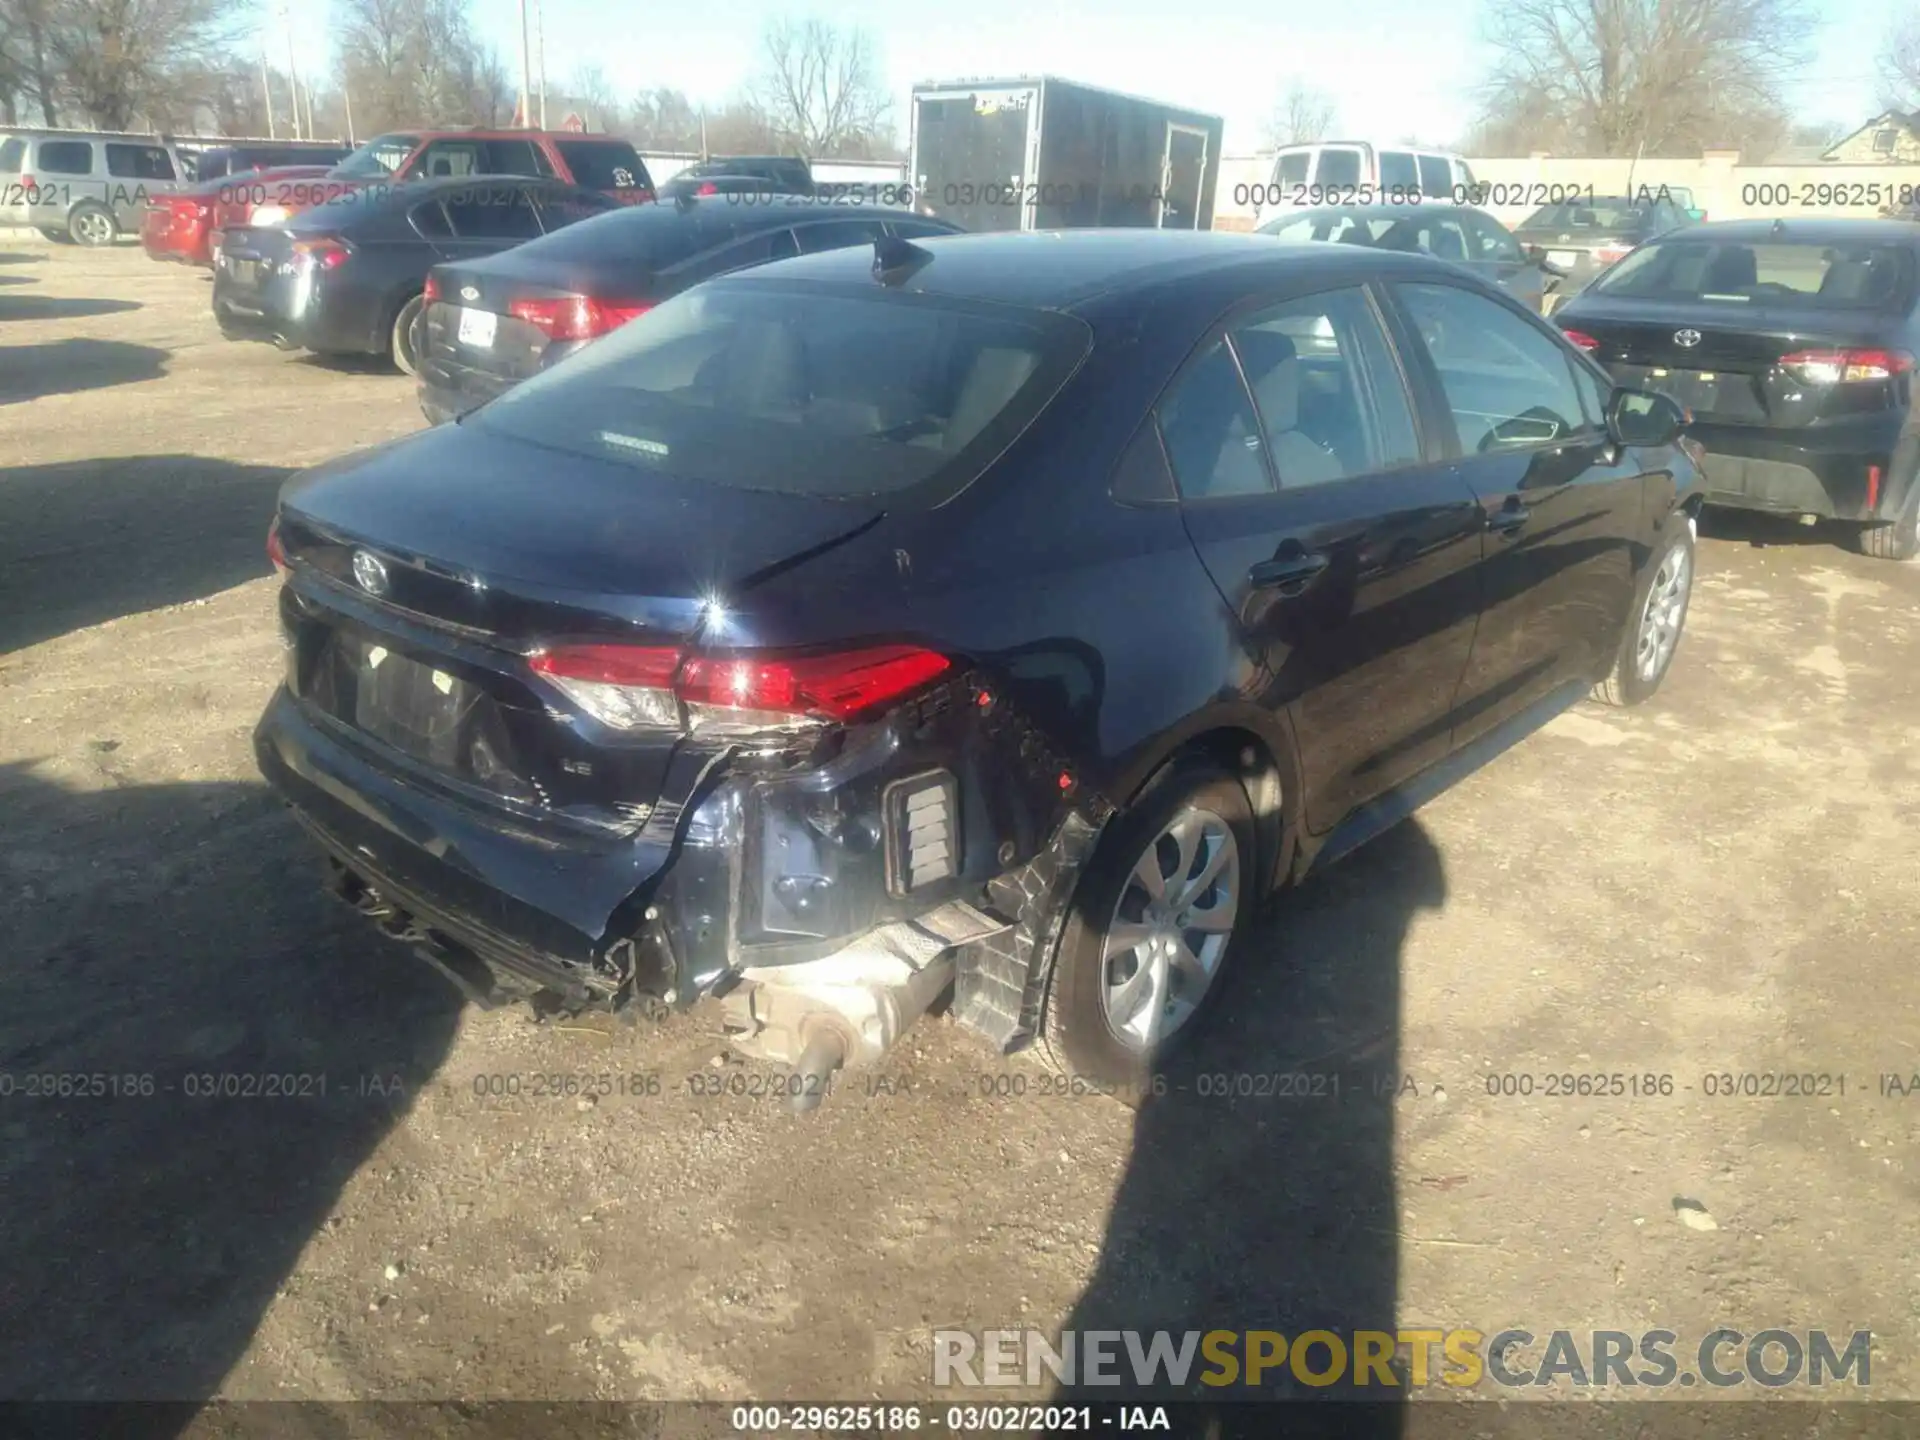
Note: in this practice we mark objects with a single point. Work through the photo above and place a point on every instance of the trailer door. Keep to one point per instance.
(1185, 174)
(970, 153)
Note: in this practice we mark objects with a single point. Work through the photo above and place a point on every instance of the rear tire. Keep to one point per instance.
(1657, 621)
(92, 225)
(403, 345)
(1901, 539)
(1193, 824)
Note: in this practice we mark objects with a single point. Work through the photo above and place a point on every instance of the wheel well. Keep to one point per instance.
(1250, 760)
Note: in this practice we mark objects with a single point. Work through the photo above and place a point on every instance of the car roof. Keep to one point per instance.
(1061, 269)
(1812, 230)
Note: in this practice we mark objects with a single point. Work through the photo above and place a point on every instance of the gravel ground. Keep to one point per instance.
(1720, 882)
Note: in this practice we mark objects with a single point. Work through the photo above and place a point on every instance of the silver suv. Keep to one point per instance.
(84, 186)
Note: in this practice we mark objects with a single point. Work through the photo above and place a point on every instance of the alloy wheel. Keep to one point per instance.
(1664, 614)
(1170, 928)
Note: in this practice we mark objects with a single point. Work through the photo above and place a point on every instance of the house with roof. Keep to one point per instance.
(1891, 137)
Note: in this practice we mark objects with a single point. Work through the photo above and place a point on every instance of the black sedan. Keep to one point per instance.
(492, 322)
(347, 278)
(851, 628)
(1793, 343)
(1458, 233)
(1583, 237)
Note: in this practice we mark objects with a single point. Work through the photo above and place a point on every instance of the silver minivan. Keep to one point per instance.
(84, 186)
(1355, 172)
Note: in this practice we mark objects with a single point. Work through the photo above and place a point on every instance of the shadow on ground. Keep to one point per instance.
(1249, 1205)
(1760, 530)
(148, 1230)
(20, 257)
(62, 367)
(89, 540)
(60, 307)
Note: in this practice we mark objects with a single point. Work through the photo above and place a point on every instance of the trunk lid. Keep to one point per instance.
(481, 553)
(1730, 371)
(250, 275)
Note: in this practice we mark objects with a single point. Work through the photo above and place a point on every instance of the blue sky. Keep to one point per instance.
(1393, 67)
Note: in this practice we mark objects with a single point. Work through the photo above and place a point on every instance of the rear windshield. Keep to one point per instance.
(604, 164)
(1847, 277)
(1613, 216)
(12, 155)
(380, 156)
(836, 393)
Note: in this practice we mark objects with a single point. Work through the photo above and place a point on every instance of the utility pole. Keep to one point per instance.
(526, 73)
(540, 17)
(293, 70)
(346, 94)
(266, 93)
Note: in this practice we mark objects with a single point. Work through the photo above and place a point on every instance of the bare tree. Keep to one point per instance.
(415, 62)
(820, 91)
(28, 69)
(664, 119)
(742, 128)
(1302, 116)
(589, 87)
(1899, 62)
(1627, 77)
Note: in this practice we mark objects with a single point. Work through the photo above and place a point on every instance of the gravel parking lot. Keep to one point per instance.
(1723, 882)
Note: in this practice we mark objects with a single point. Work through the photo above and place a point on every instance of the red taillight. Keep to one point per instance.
(432, 291)
(632, 685)
(575, 317)
(320, 254)
(1607, 254)
(1582, 339)
(1873, 487)
(1846, 367)
(276, 552)
(708, 188)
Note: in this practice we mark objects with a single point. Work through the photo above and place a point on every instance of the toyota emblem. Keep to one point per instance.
(370, 573)
(1686, 339)
(467, 292)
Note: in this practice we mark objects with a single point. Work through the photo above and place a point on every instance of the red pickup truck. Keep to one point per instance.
(593, 162)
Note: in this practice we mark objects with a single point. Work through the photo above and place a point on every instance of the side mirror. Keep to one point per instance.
(1643, 417)
(1696, 214)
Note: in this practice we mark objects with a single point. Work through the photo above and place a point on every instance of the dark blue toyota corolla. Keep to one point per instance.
(1007, 613)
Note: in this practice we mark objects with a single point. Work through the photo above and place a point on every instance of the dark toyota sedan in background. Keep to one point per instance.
(1793, 344)
(1458, 233)
(1583, 237)
(348, 277)
(492, 322)
(850, 628)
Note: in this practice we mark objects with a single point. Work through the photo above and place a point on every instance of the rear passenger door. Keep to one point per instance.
(1558, 508)
(488, 216)
(1347, 546)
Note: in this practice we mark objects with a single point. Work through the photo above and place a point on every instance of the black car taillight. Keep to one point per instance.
(325, 253)
(1582, 339)
(430, 292)
(1845, 367)
(635, 686)
(576, 317)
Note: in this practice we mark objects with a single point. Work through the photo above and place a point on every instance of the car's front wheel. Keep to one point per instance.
(1658, 620)
(1156, 919)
